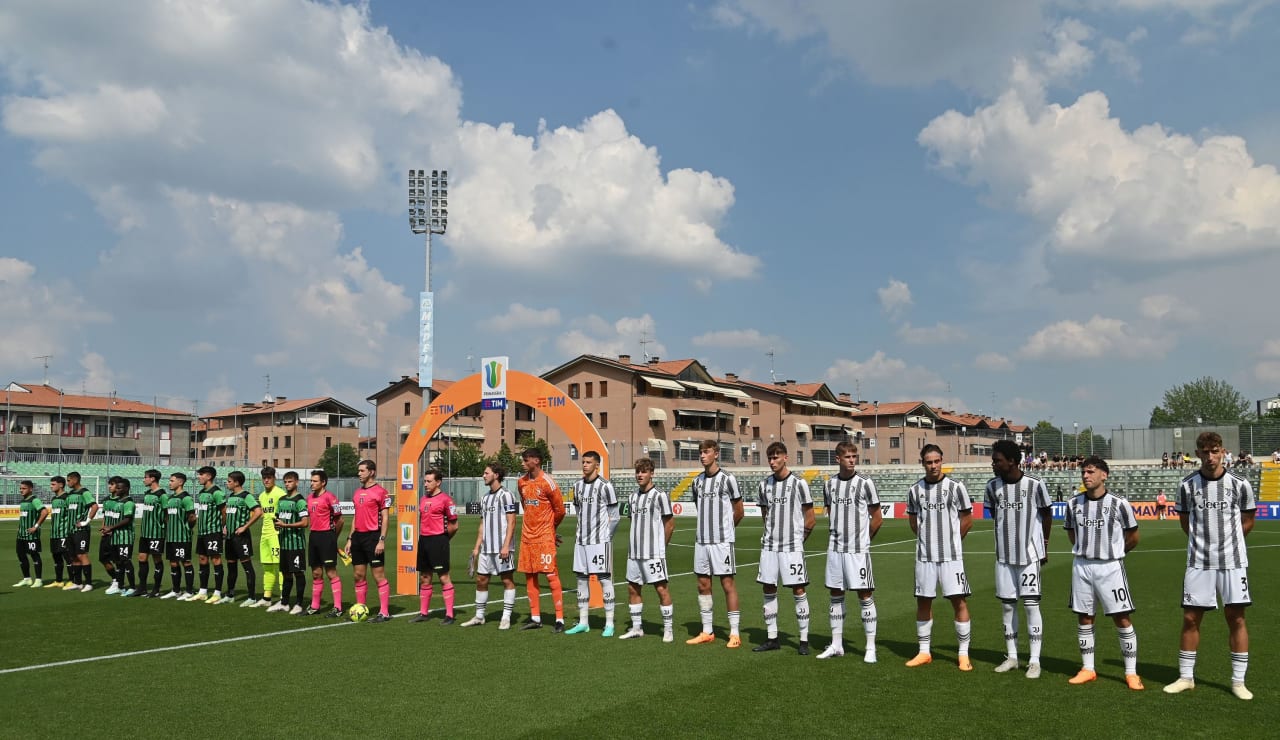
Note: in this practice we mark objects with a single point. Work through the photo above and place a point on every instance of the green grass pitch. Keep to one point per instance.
(309, 677)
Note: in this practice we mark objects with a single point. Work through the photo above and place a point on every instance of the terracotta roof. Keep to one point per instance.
(891, 409)
(1019, 428)
(670, 367)
(46, 396)
(437, 385)
(279, 407)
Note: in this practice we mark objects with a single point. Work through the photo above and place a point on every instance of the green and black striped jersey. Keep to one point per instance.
(28, 514)
(177, 507)
(118, 514)
(85, 500)
(151, 513)
(289, 510)
(240, 508)
(209, 503)
(62, 515)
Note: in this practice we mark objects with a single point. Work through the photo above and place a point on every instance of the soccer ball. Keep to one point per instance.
(358, 613)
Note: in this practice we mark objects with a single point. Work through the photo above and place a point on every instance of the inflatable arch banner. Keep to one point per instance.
(530, 390)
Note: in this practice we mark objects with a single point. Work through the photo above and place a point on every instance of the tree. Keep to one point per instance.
(466, 461)
(507, 459)
(1205, 400)
(339, 461)
(1047, 437)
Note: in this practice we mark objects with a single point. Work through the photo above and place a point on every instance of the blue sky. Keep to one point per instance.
(1038, 210)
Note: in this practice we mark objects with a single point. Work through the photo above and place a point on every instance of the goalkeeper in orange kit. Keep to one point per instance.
(543, 511)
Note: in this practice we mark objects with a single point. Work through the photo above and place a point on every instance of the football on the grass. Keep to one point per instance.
(358, 613)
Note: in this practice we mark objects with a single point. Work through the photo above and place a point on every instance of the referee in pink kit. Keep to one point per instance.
(367, 543)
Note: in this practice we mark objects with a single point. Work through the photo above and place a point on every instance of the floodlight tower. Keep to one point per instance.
(435, 192)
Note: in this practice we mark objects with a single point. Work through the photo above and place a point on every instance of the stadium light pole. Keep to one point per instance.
(1075, 436)
(876, 439)
(424, 191)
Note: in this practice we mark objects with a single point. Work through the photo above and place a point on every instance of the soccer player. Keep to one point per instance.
(106, 547)
(1102, 528)
(84, 508)
(368, 540)
(597, 507)
(437, 524)
(853, 507)
(118, 531)
(1023, 515)
(291, 525)
(652, 523)
(941, 515)
(326, 522)
(31, 515)
(243, 512)
(211, 505)
(179, 522)
(62, 523)
(543, 512)
(151, 537)
(492, 554)
(787, 509)
(268, 538)
(719, 507)
(1216, 510)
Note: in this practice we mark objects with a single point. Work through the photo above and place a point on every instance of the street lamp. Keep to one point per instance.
(1075, 434)
(435, 192)
(875, 441)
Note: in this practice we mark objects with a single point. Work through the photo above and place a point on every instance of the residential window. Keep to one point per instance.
(406, 408)
(755, 457)
(22, 424)
(604, 419)
(275, 443)
(265, 444)
(524, 437)
(755, 407)
(288, 462)
(799, 457)
(589, 388)
(726, 454)
(755, 432)
(895, 442)
(687, 452)
(65, 428)
(77, 428)
(288, 442)
(573, 390)
(328, 442)
(118, 428)
(604, 389)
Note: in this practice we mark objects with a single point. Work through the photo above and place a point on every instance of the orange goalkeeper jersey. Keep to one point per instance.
(543, 507)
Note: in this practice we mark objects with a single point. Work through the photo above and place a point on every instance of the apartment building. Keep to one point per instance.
(281, 432)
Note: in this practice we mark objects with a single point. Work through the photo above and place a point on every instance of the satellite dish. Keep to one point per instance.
(268, 399)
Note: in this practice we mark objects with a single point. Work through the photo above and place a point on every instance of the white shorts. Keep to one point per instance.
(1103, 579)
(642, 572)
(950, 573)
(850, 571)
(490, 564)
(783, 569)
(714, 560)
(1202, 588)
(593, 559)
(1014, 581)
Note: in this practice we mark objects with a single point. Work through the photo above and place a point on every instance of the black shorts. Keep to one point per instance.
(209, 545)
(322, 549)
(150, 546)
(28, 546)
(292, 561)
(178, 552)
(59, 545)
(364, 547)
(433, 553)
(78, 543)
(240, 547)
(106, 550)
(121, 552)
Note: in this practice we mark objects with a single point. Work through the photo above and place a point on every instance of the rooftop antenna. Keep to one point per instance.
(267, 398)
(471, 365)
(644, 342)
(46, 366)
(773, 377)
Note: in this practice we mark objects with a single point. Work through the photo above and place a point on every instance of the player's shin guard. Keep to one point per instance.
(668, 617)
(127, 567)
(802, 616)
(217, 576)
(144, 573)
(250, 577)
(707, 612)
(508, 602)
(86, 574)
(637, 611)
(1239, 666)
(1035, 626)
(424, 596)
(157, 570)
(1084, 634)
(268, 580)
(557, 595)
(446, 591)
(584, 598)
(384, 598)
(1187, 664)
(835, 614)
(335, 588)
(73, 573)
(735, 619)
(233, 577)
(870, 619)
(317, 585)
(175, 578)
(23, 564)
(38, 562)
(1009, 619)
(482, 601)
(535, 597)
(924, 635)
(1129, 648)
(362, 591)
(963, 633)
(771, 615)
(610, 598)
(57, 566)
(204, 576)
(189, 575)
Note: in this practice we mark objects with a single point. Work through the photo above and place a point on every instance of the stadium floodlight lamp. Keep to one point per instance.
(439, 201)
(417, 201)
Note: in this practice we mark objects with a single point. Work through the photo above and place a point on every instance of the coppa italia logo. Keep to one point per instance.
(493, 374)
(406, 537)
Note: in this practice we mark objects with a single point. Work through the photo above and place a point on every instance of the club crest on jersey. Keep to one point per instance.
(531, 502)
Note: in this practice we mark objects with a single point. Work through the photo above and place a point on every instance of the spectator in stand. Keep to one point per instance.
(1275, 456)
(1164, 459)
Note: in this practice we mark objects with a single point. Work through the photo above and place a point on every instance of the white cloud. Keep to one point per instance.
(889, 377)
(1099, 337)
(41, 316)
(1167, 308)
(1267, 372)
(1107, 194)
(993, 362)
(519, 317)
(98, 377)
(108, 112)
(1270, 348)
(939, 333)
(1120, 53)
(1020, 409)
(894, 297)
(737, 339)
(595, 336)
